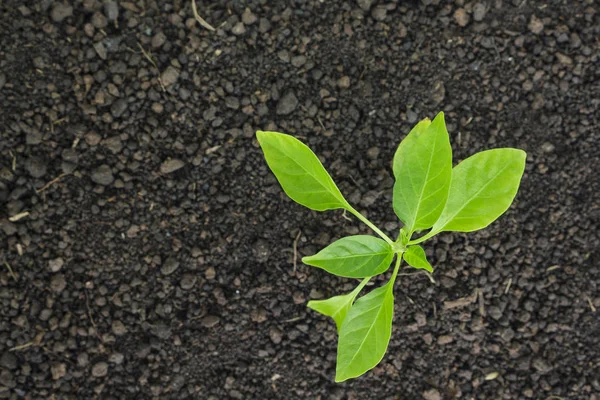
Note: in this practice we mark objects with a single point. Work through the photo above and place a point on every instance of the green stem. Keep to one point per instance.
(423, 238)
(362, 284)
(396, 268)
(370, 225)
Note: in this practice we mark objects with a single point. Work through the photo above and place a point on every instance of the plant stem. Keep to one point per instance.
(396, 268)
(423, 238)
(363, 283)
(370, 225)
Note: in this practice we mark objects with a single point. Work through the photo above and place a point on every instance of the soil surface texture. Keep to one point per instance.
(147, 252)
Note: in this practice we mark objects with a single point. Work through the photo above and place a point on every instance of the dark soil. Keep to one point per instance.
(156, 258)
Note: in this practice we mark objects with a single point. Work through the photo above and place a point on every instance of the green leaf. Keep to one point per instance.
(300, 173)
(337, 307)
(365, 333)
(416, 258)
(423, 169)
(483, 187)
(357, 256)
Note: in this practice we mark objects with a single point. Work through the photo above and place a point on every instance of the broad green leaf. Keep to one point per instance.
(300, 173)
(416, 258)
(483, 187)
(365, 333)
(357, 256)
(423, 169)
(337, 307)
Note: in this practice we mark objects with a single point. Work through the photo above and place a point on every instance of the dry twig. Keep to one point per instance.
(12, 273)
(346, 216)
(508, 286)
(199, 18)
(420, 272)
(481, 303)
(37, 341)
(151, 61)
(591, 305)
(17, 217)
(53, 181)
(296, 249)
(293, 319)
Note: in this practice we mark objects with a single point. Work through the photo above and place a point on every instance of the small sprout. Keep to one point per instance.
(429, 194)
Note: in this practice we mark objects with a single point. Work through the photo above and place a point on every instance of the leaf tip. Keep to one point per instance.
(260, 135)
(339, 378)
(439, 119)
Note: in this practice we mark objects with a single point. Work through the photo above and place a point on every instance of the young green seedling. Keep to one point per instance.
(428, 194)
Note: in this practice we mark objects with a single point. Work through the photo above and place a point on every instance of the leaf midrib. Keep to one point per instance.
(414, 219)
(370, 255)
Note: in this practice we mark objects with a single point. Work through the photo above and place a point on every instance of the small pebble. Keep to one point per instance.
(169, 76)
(479, 11)
(157, 108)
(344, 82)
(365, 4)
(432, 394)
(61, 11)
(547, 147)
(238, 29)
(58, 370)
(171, 165)
(8, 360)
(298, 61)
(111, 9)
(118, 108)
(275, 335)
(210, 273)
(36, 167)
(287, 104)
(169, 266)
(158, 40)
(99, 20)
(445, 339)
(373, 153)
(103, 175)
(248, 18)
(93, 138)
(56, 264)
(118, 328)
(379, 13)
(100, 369)
(58, 283)
(536, 26)
(461, 17)
(101, 50)
(210, 321)
(187, 282)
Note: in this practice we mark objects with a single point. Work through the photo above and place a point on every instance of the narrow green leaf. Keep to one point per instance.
(365, 333)
(404, 236)
(416, 258)
(337, 307)
(357, 256)
(300, 173)
(483, 187)
(423, 169)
